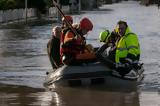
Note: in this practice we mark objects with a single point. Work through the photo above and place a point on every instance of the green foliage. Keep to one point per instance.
(12, 4)
(20, 3)
(39, 4)
(64, 2)
(2, 4)
(49, 3)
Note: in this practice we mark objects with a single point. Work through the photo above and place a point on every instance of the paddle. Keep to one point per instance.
(67, 22)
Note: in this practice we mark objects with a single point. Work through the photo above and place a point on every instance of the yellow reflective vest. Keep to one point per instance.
(128, 44)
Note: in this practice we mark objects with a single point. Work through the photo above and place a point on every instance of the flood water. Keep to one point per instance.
(24, 62)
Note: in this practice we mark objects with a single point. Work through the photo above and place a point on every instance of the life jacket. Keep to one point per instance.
(74, 48)
(64, 31)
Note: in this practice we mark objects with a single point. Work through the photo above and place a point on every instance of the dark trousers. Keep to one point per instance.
(106, 57)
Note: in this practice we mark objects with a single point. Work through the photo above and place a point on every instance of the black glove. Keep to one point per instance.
(137, 65)
(123, 68)
(127, 65)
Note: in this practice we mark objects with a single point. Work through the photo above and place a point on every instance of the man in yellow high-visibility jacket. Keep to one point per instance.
(128, 48)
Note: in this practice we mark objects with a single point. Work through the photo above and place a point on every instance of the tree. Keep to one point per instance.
(2, 4)
(49, 3)
(11, 4)
(39, 4)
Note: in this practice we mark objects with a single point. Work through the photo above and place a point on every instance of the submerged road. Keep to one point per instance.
(24, 61)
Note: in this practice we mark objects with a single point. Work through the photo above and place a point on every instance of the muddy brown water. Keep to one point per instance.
(24, 63)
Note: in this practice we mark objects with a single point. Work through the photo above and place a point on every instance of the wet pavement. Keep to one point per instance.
(24, 62)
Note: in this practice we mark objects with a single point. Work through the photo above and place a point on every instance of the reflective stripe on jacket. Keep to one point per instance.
(128, 44)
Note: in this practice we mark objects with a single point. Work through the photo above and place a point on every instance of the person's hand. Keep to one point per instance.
(77, 37)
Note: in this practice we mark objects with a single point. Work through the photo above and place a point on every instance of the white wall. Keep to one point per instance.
(16, 14)
(1, 12)
(53, 11)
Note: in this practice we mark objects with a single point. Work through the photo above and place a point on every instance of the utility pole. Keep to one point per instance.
(26, 1)
(58, 15)
(79, 7)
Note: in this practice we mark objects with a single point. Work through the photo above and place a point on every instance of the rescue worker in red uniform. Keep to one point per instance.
(53, 45)
(73, 47)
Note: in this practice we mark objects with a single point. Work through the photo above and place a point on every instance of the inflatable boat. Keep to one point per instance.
(88, 74)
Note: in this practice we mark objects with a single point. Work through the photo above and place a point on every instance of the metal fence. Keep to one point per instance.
(16, 14)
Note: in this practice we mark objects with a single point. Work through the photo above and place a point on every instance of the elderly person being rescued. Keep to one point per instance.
(53, 47)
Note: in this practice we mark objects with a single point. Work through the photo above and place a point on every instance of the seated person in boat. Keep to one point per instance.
(73, 49)
(65, 29)
(107, 50)
(128, 49)
(127, 52)
(53, 47)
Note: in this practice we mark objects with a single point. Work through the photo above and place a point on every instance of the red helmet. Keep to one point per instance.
(85, 23)
(68, 18)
